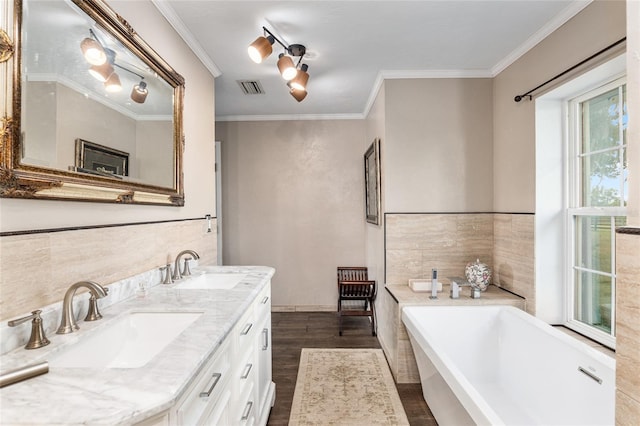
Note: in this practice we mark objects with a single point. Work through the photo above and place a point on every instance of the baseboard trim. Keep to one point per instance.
(303, 308)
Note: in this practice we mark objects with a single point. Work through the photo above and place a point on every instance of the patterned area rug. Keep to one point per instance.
(345, 387)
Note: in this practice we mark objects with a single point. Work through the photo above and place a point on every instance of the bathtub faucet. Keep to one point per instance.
(434, 284)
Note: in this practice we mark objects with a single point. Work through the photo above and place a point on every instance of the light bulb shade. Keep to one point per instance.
(301, 79)
(113, 84)
(286, 67)
(299, 95)
(261, 48)
(101, 72)
(139, 92)
(93, 52)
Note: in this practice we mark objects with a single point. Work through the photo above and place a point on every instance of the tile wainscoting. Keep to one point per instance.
(627, 326)
(417, 242)
(37, 268)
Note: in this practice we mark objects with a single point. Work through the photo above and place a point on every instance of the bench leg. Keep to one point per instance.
(340, 317)
(373, 320)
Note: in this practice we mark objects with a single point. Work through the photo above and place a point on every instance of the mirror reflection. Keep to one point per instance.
(89, 104)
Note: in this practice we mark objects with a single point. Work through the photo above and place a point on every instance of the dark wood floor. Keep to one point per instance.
(292, 331)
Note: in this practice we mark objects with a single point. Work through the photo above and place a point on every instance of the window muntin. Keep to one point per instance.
(598, 194)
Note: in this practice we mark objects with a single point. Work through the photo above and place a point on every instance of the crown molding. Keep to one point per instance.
(172, 17)
(291, 117)
(560, 19)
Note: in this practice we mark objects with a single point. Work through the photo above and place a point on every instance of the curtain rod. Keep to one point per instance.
(518, 98)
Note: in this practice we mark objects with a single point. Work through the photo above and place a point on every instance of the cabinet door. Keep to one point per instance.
(209, 394)
(265, 387)
(264, 364)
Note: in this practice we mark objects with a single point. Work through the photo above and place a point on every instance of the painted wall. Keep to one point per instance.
(374, 234)
(293, 199)
(438, 151)
(199, 181)
(514, 123)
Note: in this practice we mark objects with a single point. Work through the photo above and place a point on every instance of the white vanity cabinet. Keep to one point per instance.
(244, 372)
(252, 378)
(235, 387)
(265, 387)
(207, 399)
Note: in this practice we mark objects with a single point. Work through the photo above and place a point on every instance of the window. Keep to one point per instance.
(598, 194)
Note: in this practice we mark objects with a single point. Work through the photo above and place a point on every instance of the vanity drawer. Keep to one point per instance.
(245, 374)
(244, 413)
(209, 392)
(263, 302)
(244, 331)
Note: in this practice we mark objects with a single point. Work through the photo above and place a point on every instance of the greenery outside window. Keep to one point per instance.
(598, 194)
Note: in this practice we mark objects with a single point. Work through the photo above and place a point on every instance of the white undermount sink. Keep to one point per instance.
(130, 342)
(211, 281)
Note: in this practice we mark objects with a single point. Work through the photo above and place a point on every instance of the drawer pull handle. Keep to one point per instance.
(247, 370)
(265, 300)
(265, 332)
(246, 329)
(247, 410)
(216, 379)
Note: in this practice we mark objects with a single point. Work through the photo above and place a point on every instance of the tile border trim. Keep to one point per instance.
(628, 230)
(81, 228)
(424, 213)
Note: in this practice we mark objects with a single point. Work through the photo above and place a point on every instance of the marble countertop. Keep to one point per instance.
(493, 295)
(117, 396)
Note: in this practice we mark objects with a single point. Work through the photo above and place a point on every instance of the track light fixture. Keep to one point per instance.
(295, 74)
(139, 92)
(297, 94)
(113, 85)
(260, 49)
(92, 51)
(286, 67)
(103, 61)
(300, 81)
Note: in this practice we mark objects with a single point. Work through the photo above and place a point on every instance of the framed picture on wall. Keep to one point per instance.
(101, 160)
(372, 182)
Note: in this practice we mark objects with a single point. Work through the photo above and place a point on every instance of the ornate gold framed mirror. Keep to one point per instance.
(79, 71)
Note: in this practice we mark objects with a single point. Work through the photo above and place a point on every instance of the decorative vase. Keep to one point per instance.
(478, 274)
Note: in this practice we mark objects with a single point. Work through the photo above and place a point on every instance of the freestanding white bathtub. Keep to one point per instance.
(497, 365)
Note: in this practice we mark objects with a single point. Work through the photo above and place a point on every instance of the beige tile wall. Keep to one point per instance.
(417, 243)
(36, 269)
(627, 329)
(514, 255)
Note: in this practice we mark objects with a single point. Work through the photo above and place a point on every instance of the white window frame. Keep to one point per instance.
(573, 211)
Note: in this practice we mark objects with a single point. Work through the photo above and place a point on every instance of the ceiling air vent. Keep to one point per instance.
(251, 87)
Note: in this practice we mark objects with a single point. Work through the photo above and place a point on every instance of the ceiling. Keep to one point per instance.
(353, 45)
(51, 52)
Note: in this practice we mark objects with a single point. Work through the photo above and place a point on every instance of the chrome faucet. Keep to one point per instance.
(186, 271)
(68, 321)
